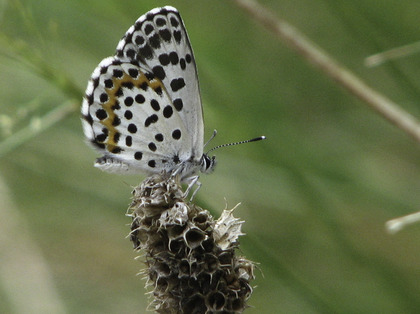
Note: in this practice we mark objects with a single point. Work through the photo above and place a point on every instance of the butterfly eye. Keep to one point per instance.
(208, 164)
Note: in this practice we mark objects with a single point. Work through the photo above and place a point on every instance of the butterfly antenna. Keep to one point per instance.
(212, 137)
(237, 143)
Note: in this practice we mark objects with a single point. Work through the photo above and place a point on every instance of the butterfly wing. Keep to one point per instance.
(129, 116)
(158, 41)
(142, 107)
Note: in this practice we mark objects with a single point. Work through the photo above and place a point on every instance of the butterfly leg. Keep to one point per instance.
(193, 181)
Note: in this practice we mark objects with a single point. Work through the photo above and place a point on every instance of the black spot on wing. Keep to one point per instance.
(177, 84)
(178, 104)
(159, 72)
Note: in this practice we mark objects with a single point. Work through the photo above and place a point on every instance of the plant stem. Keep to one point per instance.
(343, 76)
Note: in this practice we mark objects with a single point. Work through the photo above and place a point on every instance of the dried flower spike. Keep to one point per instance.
(191, 262)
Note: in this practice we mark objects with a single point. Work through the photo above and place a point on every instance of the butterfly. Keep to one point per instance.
(142, 107)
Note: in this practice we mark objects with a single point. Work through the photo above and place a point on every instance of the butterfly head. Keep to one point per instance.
(207, 163)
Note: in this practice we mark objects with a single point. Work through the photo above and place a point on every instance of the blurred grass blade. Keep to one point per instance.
(36, 126)
(395, 225)
(395, 53)
(25, 275)
(340, 74)
(37, 63)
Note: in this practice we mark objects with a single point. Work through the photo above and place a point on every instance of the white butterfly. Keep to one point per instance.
(142, 107)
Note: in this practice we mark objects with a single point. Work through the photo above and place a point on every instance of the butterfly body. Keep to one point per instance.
(142, 109)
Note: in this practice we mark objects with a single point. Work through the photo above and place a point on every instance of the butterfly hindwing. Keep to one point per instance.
(131, 118)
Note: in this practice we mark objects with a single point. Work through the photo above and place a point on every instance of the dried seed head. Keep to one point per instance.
(191, 262)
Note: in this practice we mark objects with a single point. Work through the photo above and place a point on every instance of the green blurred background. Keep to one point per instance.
(315, 196)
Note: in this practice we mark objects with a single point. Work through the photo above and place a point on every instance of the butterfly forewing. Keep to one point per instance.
(159, 42)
